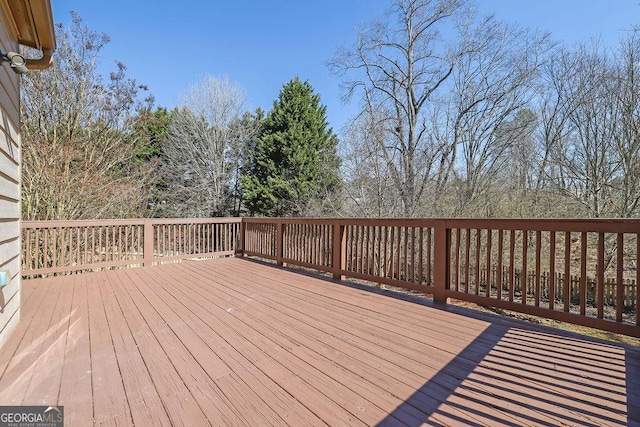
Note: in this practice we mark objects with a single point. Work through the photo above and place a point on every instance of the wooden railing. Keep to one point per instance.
(449, 259)
(579, 271)
(59, 247)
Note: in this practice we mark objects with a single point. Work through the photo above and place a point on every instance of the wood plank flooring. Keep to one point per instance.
(238, 342)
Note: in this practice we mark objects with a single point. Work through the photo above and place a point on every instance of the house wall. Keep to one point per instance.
(9, 184)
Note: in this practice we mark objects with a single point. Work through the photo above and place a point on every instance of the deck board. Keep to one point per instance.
(76, 388)
(389, 340)
(29, 344)
(110, 400)
(143, 400)
(224, 342)
(172, 366)
(238, 342)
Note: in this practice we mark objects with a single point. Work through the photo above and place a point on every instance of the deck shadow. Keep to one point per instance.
(516, 370)
(492, 390)
(632, 365)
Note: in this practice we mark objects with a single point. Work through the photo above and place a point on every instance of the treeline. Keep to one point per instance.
(460, 115)
(469, 116)
(100, 149)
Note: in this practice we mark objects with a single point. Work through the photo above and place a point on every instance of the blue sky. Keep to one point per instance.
(169, 45)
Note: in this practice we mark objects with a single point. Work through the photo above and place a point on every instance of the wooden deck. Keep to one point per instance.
(237, 342)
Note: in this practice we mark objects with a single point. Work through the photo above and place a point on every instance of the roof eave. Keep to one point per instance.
(32, 23)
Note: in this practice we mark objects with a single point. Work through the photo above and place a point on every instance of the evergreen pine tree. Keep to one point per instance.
(295, 162)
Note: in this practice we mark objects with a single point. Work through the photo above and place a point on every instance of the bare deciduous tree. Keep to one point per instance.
(493, 84)
(443, 112)
(627, 139)
(76, 142)
(585, 161)
(370, 191)
(197, 155)
(397, 67)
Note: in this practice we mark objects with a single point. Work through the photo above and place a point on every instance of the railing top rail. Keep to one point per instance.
(225, 220)
(133, 221)
(292, 220)
(80, 223)
(546, 224)
(604, 225)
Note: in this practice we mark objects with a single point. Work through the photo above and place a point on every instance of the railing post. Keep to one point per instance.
(339, 250)
(279, 241)
(147, 248)
(441, 262)
(239, 240)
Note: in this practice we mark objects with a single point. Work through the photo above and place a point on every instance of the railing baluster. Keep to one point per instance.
(309, 243)
(319, 244)
(567, 271)
(114, 246)
(54, 248)
(583, 273)
(46, 247)
(396, 232)
(488, 268)
(620, 277)
(305, 241)
(512, 265)
(78, 244)
(384, 244)
(538, 268)
(392, 253)
(458, 267)
(552, 269)
(405, 264)
(600, 279)
(365, 261)
(26, 257)
(358, 240)
(363, 241)
(441, 277)
(412, 254)
(300, 241)
(499, 264)
(122, 254)
(429, 257)
(63, 247)
(478, 233)
(354, 248)
(467, 260)
(202, 239)
(524, 274)
(308, 239)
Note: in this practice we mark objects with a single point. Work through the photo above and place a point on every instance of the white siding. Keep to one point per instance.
(9, 186)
